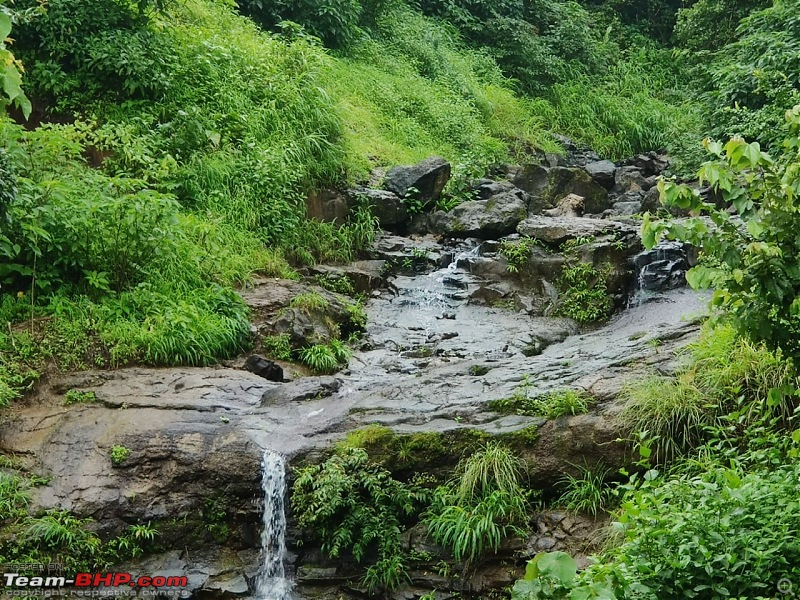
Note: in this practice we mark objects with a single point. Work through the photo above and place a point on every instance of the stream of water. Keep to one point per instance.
(271, 581)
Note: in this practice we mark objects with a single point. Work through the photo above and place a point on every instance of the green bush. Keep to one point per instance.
(484, 504)
(752, 267)
(589, 491)
(350, 505)
(584, 296)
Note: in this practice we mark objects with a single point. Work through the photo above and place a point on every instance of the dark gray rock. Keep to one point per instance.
(328, 205)
(602, 171)
(428, 177)
(387, 206)
(663, 267)
(652, 200)
(565, 181)
(627, 208)
(263, 367)
(535, 180)
(486, 188)
(303, 389)
(630, 179)
(485, 219)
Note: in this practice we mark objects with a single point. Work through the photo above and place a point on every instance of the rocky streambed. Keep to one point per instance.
(450, 329)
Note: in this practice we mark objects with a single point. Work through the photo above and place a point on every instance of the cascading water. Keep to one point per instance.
(661, 268)
(271, 581)
(435, 296)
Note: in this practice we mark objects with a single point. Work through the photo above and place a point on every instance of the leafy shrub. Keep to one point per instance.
(517, 252)
(278, 346)
(751, 267)
(335, 22)
(728, 378)
(119, 454)
(724, 532)
(584, 296)
(484, 504)
(752, 80)
(350, 505)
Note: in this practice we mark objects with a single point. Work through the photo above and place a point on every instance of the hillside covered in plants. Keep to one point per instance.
(187, 185)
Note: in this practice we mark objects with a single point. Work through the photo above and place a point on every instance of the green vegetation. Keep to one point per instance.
(56, 536)
(584, 295)
(552, 405)
(718, 518)
(352, 506)
(517, 252)
(310, 301)
(278, 346)
(484, 504)
(79, 397)
(589, 491)
(119, 454)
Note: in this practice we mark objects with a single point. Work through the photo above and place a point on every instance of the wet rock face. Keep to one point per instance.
(428, 177)
(664, 267)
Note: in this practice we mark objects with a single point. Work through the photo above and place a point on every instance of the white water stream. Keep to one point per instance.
(271, 581)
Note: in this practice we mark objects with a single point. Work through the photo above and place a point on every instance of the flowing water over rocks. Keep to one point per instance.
(271, 582)
(432, 360)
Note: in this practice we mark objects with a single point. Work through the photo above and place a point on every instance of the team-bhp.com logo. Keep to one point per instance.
(95, 580)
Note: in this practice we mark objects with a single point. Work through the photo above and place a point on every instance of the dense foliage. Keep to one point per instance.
(352, 506)
(750, 253)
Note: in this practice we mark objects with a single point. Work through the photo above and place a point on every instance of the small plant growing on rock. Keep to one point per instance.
(325, 358)
(119, 454)
(309, 301)
(278, 346)
(484, 504)
(340, 285)
(551, 405)
(584, 296)
(79, 397)
(517, 252)
(587, 492)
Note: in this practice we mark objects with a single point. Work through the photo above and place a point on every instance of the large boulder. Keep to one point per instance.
(556, 230)
(602, 171)
(390, 208)
(328, 205)
(494, 217)
(427, 177)
(565, 181)
(547, 186)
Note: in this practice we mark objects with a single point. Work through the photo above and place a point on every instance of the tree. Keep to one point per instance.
(751, 246)
(11, 71)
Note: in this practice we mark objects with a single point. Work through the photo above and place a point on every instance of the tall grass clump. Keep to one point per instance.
(481, 506)
(726, 375)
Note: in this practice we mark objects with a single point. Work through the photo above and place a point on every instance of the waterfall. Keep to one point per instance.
(271, 581)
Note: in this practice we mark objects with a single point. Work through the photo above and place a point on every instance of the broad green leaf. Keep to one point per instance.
(5, 26)
(558, 565)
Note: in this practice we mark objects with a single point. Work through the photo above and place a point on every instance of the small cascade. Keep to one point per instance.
(271, 581)
(440, 292)
(661, 268)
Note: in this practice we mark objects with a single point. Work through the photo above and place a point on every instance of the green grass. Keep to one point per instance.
(589, 491)
(309, 301)
(726, 374)
(555, 404)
